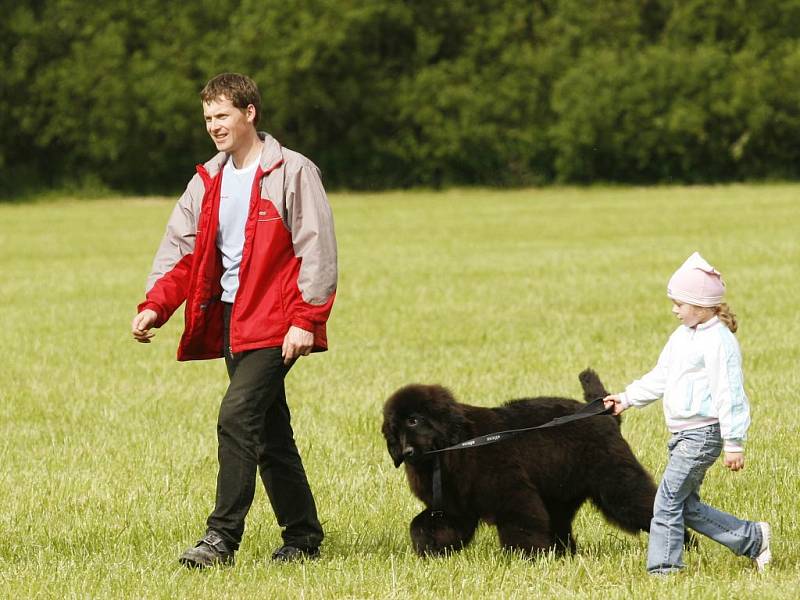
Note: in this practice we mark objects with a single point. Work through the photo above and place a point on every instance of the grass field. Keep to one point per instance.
(108, 447)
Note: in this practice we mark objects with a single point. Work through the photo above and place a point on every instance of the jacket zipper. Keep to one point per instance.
(255, 196)
(230, 326)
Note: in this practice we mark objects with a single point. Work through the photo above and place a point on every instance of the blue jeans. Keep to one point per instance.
(678, 504)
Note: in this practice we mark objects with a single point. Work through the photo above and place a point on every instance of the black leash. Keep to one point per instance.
(592, 409)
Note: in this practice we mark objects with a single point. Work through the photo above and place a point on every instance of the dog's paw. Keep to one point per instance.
(436, 534)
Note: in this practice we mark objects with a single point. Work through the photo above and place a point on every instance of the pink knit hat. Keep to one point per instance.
(696, 282)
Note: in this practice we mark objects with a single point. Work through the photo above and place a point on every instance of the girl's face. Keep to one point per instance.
(691, 315)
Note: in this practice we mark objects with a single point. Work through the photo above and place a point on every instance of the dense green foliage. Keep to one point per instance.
(108, 447)
(384, 93)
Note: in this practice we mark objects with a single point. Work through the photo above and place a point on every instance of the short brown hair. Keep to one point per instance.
(239, 89)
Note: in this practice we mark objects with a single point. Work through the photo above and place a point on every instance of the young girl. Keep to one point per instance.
(699, 376)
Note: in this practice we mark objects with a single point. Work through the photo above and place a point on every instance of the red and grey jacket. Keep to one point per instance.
(288, 271)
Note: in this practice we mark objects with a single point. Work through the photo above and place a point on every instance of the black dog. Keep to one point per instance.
(530, 486)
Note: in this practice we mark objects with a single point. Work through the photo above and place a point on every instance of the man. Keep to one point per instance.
(250, 247)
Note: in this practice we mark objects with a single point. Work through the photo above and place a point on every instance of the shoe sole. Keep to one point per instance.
(296, 558)
(191, 563)
(759, 562)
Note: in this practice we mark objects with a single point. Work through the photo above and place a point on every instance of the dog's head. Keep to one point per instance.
(418, 418)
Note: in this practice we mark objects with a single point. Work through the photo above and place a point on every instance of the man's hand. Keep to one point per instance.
(141, 324)
(734, 460)
(298, 342)
(613, 400)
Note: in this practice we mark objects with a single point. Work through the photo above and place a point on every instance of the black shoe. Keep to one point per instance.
(208, 552)
(293, 553)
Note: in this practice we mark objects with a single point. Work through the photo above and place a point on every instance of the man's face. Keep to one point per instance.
(228, 126)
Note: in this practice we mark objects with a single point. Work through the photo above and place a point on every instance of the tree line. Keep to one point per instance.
(399, 93)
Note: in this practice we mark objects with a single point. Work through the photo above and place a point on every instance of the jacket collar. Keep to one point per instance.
(271, 156)
(708, 324)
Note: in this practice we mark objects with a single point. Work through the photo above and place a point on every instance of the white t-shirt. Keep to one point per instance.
(234, 204)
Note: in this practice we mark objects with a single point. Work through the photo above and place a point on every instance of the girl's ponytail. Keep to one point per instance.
(726, 315)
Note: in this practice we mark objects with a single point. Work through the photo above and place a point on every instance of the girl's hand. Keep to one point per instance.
(613, 400)
(734, 460)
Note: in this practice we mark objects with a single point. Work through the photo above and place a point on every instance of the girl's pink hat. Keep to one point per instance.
(696, 282)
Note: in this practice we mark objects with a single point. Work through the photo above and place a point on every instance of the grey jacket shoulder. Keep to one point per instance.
(295, 161)
(179, 236)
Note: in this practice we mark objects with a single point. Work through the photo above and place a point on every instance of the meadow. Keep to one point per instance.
(108, 447)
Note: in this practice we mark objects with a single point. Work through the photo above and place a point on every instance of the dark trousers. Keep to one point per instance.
(255, 433)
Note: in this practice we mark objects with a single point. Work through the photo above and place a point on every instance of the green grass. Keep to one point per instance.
(108, 447)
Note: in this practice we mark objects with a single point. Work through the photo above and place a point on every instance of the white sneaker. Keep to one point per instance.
(764, 553)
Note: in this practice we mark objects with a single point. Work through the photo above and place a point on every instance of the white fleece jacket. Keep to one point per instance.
(699, 375)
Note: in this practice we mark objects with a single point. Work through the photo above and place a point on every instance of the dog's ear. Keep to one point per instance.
(393, 445)
(395, 452)
(447, 416)
(456, 426)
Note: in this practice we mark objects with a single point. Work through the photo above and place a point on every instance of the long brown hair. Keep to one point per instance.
(727, 316)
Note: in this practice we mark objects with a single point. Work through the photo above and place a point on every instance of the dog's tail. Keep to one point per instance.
(593, 388)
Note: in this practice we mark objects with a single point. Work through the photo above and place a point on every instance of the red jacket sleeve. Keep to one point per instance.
(168, 283)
